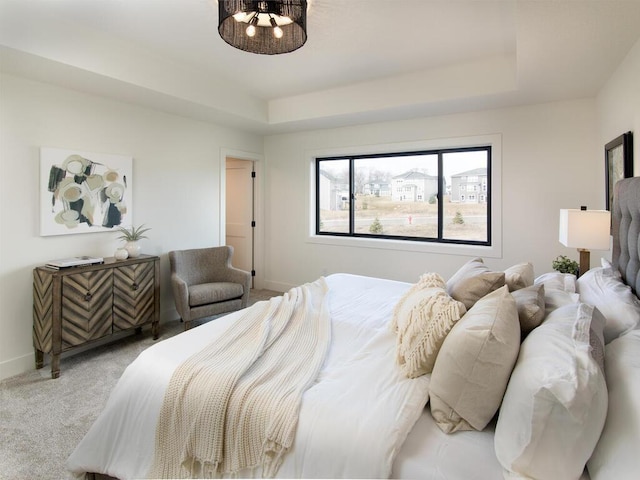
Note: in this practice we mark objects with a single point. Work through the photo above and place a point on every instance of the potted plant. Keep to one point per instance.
(131, 236)
(564, 264)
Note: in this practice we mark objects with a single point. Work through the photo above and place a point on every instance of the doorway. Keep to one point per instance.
(240, 223)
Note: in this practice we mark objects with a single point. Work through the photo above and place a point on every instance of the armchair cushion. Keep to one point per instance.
(206, 293)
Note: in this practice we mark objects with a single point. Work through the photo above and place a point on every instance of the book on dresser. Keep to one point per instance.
(73, 262)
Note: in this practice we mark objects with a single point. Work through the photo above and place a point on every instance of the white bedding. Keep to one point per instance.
(353, 421)
(617, 453)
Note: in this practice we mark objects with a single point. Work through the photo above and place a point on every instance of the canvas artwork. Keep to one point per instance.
(83, 192)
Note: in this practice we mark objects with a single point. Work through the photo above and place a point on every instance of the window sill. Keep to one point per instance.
(493, 251)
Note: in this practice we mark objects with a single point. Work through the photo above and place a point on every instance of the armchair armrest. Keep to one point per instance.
(181, 296)
(244, 278)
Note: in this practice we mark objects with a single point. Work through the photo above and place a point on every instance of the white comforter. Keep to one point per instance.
(352, 423)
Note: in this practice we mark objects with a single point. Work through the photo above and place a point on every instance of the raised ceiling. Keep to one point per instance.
(364, 61)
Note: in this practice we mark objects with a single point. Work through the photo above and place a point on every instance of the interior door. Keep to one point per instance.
(239, 212)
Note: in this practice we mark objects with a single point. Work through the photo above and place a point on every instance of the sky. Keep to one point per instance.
(454, 162)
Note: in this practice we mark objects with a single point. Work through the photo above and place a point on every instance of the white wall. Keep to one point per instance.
(618, 105)
(176, 168)
(552, 158)
(548, 157)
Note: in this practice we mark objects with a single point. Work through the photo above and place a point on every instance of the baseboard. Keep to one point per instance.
(277, 286)
(17, 366)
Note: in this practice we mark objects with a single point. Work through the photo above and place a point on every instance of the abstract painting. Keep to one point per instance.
(83, 192)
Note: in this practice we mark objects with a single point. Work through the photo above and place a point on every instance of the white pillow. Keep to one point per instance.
(616, 301)
(519, 276)
(608, 266)
(557, 281)
(556, 402)
(616, 456)
(474, 364)
(554, 299)
(422, 319)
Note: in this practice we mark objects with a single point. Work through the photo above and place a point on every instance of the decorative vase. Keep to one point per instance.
(133, 249)
(121, 254)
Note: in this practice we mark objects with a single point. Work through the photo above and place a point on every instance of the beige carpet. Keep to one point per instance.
(42, 420)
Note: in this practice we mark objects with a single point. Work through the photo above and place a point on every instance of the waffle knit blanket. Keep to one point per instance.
(234, 405)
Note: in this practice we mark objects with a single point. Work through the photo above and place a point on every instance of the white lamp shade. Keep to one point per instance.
(586, 229)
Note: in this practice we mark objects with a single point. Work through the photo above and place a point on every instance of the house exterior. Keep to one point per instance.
(333, 195)
(377, 188)
(469, 186)
(413, 186)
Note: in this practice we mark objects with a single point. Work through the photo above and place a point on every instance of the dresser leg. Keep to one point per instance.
(55, 365)
(39, 359)
(155, 329)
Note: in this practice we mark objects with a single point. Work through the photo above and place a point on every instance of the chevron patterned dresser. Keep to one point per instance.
(79, 305)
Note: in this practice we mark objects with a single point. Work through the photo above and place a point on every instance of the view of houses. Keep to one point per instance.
(411, 186)
(387, 201)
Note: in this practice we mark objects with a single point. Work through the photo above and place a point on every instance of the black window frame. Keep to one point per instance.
(440, 152)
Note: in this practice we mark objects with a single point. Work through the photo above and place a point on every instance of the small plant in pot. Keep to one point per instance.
(564, 264)
(131, 236)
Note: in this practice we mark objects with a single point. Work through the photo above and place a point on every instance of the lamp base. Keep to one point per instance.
(585, 261)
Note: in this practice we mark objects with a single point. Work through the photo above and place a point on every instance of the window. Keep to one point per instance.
(420, 196)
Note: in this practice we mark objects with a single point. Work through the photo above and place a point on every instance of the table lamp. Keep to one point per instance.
(585, 230)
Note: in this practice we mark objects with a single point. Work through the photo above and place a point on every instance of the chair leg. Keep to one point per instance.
(187, 325)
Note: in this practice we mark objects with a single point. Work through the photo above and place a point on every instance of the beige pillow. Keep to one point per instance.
(519, 276)
(473, 281)
(530, 302)
(474, 364)
(422, 319)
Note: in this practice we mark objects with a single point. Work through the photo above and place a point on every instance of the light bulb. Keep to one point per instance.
(277, 31)
(251, 29)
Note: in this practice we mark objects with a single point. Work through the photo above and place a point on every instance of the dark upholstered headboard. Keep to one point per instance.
(626, 231)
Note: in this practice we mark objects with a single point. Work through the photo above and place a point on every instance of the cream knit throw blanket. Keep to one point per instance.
(234, 405)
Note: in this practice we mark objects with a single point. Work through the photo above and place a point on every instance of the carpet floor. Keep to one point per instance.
(42, 420)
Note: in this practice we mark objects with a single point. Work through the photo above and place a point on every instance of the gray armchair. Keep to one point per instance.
(204, 283)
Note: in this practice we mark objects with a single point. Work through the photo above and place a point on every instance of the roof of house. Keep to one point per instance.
(475, 171)
(414, 174)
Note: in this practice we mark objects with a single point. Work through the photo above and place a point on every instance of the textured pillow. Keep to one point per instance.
(406, 302)
(616, 454)
(530, 302)
(616, 301)
(519, 276)
(473, 281)
(422, 320)
(474, 364)
(556, 401)
(557, 281)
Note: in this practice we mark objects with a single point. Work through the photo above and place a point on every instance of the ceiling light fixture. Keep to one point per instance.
(267, 27)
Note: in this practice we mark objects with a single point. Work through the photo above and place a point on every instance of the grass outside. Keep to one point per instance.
(411, 219)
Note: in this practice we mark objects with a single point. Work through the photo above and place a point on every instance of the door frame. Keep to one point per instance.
(258, 208)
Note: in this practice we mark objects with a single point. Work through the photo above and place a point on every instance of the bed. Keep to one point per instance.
(546, 387)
